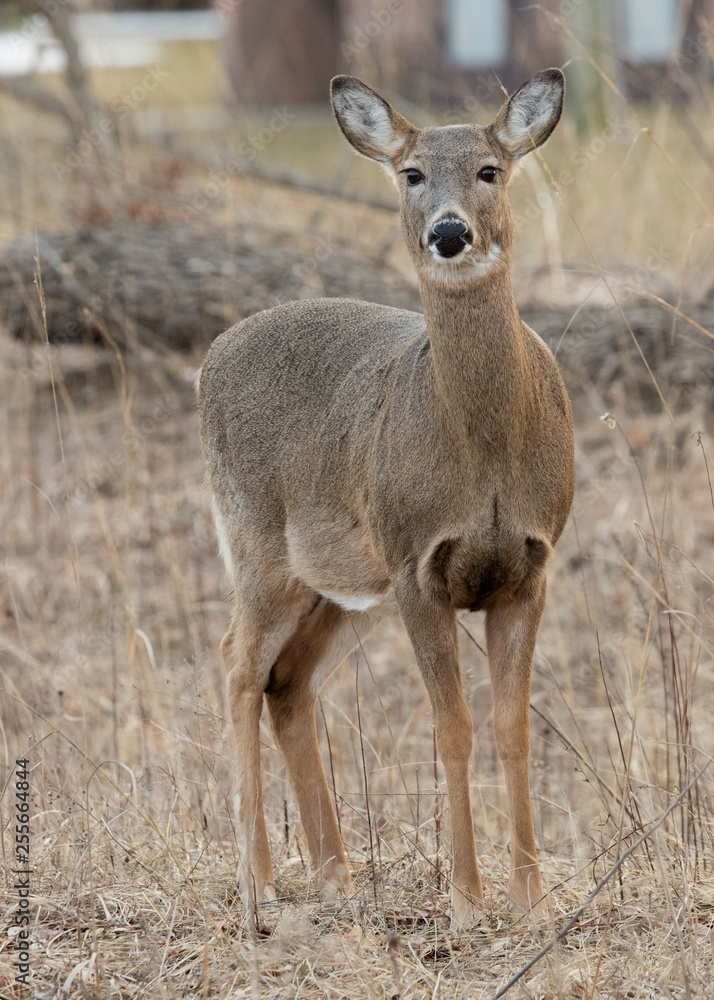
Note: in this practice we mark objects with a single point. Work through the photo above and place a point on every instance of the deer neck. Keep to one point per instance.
(477, 350)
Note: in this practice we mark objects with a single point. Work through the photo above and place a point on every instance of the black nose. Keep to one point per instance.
(449, 236)
(449, 227)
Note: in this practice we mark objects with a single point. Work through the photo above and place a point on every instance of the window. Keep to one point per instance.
(477, 32)
(650, 29)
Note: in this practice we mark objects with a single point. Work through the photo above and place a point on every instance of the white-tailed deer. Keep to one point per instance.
(365, 460)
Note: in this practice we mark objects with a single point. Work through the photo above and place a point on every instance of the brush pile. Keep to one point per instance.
(178, 285)
(174, 284)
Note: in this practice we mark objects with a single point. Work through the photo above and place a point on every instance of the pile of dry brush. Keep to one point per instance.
(178, 285)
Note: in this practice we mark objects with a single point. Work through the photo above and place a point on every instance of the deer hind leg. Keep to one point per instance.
(249, 648)
(510, 634)
(431, 629)
(325, 636)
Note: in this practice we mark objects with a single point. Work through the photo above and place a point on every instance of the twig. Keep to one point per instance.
(619, 743)
(277, 174)
(332, 765)
(706, 465)
(478, 646)
(437, 815)
(366, 789)
(570, 746)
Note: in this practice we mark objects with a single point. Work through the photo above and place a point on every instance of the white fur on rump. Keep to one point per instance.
(224, 547)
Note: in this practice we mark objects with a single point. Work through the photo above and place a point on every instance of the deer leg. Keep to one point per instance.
(249, 648)
(432, 631)
(324, 637)
(510, 634)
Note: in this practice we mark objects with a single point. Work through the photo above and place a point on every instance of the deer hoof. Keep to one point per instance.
(466, 911)
(335, 879)
(530, 904)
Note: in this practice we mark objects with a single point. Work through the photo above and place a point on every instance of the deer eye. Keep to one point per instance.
(413, 175)
(488, 174)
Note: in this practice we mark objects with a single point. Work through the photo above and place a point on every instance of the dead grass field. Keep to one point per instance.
(112, 607)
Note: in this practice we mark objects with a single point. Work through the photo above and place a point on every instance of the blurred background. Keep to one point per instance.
(113, 102)
(169, 168)
(160, 115)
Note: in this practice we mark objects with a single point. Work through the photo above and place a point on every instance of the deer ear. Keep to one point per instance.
(526, 120)
(368, 122)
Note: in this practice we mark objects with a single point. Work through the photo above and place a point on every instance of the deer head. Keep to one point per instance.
(452, 180)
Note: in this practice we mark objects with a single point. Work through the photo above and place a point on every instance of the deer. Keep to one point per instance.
(366, 460)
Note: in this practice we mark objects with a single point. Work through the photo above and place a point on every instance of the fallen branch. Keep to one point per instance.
(25, 90)
(238, 166)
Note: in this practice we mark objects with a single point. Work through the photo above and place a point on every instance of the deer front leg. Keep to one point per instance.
(432, 632)
(510, 635)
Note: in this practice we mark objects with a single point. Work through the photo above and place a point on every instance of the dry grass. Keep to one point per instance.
(112, 686)
(112, 609)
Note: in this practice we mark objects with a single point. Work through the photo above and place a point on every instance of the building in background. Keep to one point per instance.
(439, 50)
(432, 52)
